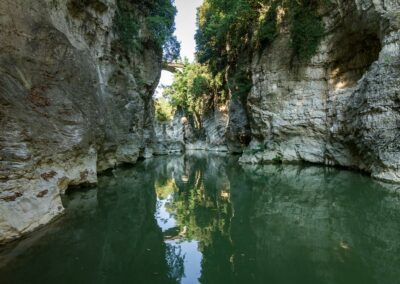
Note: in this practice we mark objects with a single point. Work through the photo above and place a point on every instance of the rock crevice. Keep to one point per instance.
(340, 108)
(73, 102)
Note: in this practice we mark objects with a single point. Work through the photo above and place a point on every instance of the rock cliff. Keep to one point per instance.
(222, 127)
(341, 107)
(73, 102)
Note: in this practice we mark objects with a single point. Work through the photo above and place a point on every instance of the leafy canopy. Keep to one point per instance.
(228, 29)
(164, 110)
(229, 34)
(159, 20)
(190, 85)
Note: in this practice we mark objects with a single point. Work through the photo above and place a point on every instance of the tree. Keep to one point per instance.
(159, 20)
(171, 49)
(189, 87)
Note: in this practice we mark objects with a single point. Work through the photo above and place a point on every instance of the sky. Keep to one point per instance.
(185, 30)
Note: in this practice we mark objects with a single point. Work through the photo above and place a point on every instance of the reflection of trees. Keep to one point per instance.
(199, 212)
(175, 261)
(199, 200)
(114, 240)
(164, 188)
(267, 223)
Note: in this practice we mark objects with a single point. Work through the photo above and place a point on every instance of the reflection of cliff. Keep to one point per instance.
(112, 240)
(323, 226)
(251, 224)
(283, 224)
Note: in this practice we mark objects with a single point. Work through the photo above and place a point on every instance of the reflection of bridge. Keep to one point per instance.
(172, 67)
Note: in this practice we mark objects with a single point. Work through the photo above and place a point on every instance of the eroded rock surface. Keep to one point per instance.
(170, 137)
(73, 102)
(185, 133)
(342, 107)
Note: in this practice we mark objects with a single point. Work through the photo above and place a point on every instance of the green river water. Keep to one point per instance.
(203, 218)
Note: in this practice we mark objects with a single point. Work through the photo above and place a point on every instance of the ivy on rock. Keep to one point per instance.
(158, 23)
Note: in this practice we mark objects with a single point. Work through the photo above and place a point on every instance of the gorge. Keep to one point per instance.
(275, 83)
(204, 218)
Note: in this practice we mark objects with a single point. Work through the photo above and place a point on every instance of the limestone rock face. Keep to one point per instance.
(170, 135)
(184, 132)
(72, 103)
(212, 132)
(341, 107)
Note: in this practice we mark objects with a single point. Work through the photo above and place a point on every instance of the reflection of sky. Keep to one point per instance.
(189, 249)
(164, 220)
(185, 31)
(192, 262)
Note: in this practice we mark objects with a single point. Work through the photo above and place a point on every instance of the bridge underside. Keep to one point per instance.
(172, 67)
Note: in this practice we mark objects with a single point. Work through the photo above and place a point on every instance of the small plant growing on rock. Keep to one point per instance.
(158, 26)
(278, 159)
(164, 110)
(306, 28)
(258, 149)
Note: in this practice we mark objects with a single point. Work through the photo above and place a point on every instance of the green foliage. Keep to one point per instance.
(127, 29)
(159, 21)
(190, 86)
(306, 28)
(201, 210)
(200, 84)
(240, 83)
(224, 30)
(277, 159)
(267, 30)
(164, 110)
(228, 32)
(231, 29)
(172, 48)
(231, 32)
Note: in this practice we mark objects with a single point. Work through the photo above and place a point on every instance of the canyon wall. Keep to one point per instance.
(184, 132)
(223, 126)
(73, 102)
(340, 108)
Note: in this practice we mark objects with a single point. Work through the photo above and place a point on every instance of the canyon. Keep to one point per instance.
(340, 108)
(75, 103)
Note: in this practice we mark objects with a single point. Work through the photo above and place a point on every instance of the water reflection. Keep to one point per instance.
(194, 211)
(189, 264)
(203, 218)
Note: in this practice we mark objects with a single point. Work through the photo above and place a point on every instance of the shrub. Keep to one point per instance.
(306, 28)
(127, 28)
(164, 110)
(278, 159)
(189, 86)
(159, 20)
(267, 30)
(231, 31)
(240, 84)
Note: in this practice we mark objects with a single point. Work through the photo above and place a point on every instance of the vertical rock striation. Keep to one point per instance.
(341, 107)
(72, 102)
(183, 132)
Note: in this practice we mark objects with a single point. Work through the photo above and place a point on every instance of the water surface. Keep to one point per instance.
(203, 218)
